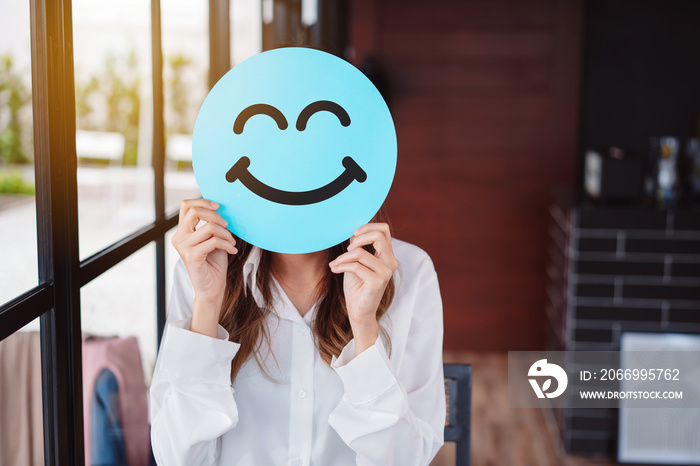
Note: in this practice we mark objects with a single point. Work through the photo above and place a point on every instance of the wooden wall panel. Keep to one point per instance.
(484, 97)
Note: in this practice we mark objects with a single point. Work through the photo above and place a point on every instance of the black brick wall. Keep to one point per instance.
(616, 270)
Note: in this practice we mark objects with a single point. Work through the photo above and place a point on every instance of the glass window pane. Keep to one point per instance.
(246, 29)
(185, 80)
(122, 302)
(18, 247)
(171, 258)
(21, 423)
(118, 313)
(114, 119)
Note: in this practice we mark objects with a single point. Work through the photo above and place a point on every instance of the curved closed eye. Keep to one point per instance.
(256, 109)
(319, 106)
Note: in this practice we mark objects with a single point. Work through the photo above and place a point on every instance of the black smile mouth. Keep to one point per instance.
(352, 172)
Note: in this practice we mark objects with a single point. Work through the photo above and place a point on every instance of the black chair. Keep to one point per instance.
(458, 390)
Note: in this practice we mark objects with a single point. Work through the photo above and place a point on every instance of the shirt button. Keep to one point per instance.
(223, 362)
(296, 462)
(304, 330)
(302, 393)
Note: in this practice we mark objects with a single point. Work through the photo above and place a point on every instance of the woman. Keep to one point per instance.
(327, 358)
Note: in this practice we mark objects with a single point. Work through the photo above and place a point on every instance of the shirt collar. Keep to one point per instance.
(283, 307)
(250, 270)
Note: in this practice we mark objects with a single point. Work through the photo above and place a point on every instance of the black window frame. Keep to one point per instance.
(56, 299)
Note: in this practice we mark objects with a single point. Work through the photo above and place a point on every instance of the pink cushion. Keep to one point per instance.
(121, 356)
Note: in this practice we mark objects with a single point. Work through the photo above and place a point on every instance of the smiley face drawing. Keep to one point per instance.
(297, 147)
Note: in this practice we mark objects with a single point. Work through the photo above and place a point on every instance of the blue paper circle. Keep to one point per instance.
(307, 144)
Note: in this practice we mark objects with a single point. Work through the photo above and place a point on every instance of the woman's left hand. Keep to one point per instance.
(365, 280)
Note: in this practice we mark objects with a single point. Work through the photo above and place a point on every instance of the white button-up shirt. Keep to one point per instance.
(370, 409)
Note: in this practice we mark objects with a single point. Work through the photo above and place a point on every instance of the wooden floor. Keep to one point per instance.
(505, 436)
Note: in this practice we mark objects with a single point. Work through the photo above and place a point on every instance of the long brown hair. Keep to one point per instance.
(245, 321)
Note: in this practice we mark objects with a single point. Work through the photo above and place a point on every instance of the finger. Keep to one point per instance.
(383, 250)
(376, 238)
(203, 249)
(189, 203)
(383, 228)
(183, 241)
(382, 247)
(365, 274)
(207, 231)
(195, 214)
(365, 258)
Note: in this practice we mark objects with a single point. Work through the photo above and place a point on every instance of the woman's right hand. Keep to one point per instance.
(204, 251)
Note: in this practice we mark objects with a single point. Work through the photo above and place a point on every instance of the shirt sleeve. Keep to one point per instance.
(390, 416)
(191, 397)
